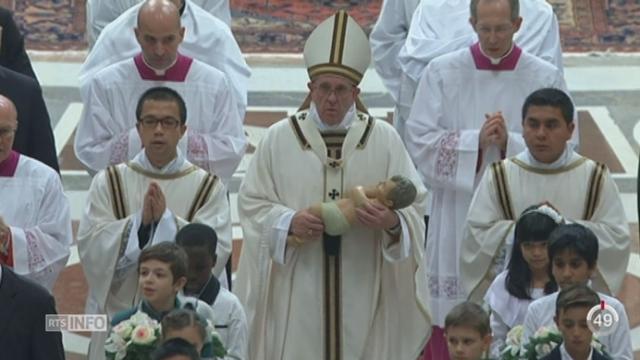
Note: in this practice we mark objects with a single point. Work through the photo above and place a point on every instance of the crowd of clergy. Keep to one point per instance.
(484, 130)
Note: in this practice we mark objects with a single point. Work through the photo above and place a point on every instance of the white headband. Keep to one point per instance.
(548, 211)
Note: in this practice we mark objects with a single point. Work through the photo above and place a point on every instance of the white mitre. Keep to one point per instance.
(338, 46)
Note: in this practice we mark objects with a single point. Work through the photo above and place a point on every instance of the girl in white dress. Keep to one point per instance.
(527, 276)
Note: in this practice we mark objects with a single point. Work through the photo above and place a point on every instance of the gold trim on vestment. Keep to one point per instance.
(201, 195)
(297, 131)
(139, 169)
(559, 170)
(367, 132)
(502, 189)
(593, 194)
(115, 187)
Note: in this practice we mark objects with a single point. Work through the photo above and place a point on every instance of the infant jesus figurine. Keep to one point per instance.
(338, 216)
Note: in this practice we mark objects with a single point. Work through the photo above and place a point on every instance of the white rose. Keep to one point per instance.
(143, 335)
(123, 329)
(514, 336)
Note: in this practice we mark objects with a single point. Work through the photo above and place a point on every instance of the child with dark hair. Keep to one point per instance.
(573, 254)
(162, 273)
(467, 332)
(572, 308)
(199, 241)
(527, 276)
(175, 349)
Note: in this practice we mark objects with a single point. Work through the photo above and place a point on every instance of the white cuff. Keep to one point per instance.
(20, 251)
(278, 238)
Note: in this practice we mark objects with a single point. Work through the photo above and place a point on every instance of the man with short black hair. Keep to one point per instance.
(548, 170)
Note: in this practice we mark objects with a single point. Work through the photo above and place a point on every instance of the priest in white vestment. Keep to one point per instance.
(387, 39)
(206, 39)
(102, 12)
(361, 295)
(442, 26)
(582, 190)
(35, 222)
(143, 202)
(106, 134)
(466, 115)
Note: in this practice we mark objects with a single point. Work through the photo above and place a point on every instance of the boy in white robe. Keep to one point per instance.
(102, 12)
(106, 134)
(573, 253)
(144, 202)
(199, 242)
(547, 171)
(465, 116)
(361, 295)
(207, 39)
(35, 221)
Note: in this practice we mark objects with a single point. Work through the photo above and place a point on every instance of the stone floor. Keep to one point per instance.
(605, 89)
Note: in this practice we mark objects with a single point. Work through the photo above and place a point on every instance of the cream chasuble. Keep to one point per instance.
(353, 297)
(34, 206)
(108, 242)
(582, 191)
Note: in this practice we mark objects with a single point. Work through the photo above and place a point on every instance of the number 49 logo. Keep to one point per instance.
(602, 319)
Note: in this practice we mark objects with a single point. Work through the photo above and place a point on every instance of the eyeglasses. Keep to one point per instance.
(166, 123)
(5, 133)
(341, 91)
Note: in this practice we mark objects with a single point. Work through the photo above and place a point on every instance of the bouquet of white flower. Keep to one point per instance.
(133, 339)
(513, 349)
(542, 343)
(547, 338)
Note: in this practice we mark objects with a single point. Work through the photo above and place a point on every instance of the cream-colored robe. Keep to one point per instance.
(567, 188)
(383, 291)
(108, 244)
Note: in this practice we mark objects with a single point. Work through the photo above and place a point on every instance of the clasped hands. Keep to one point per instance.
(372, 214)
(494, 131)
(154, 204)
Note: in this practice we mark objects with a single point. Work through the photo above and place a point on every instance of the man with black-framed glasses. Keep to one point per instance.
(143, 202)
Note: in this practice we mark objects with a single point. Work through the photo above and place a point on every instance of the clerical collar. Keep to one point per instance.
(564, 354)
(345, 124)
(567, 157)
(172, 167)
(176, 72)
(506, 63)
(9, 165)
